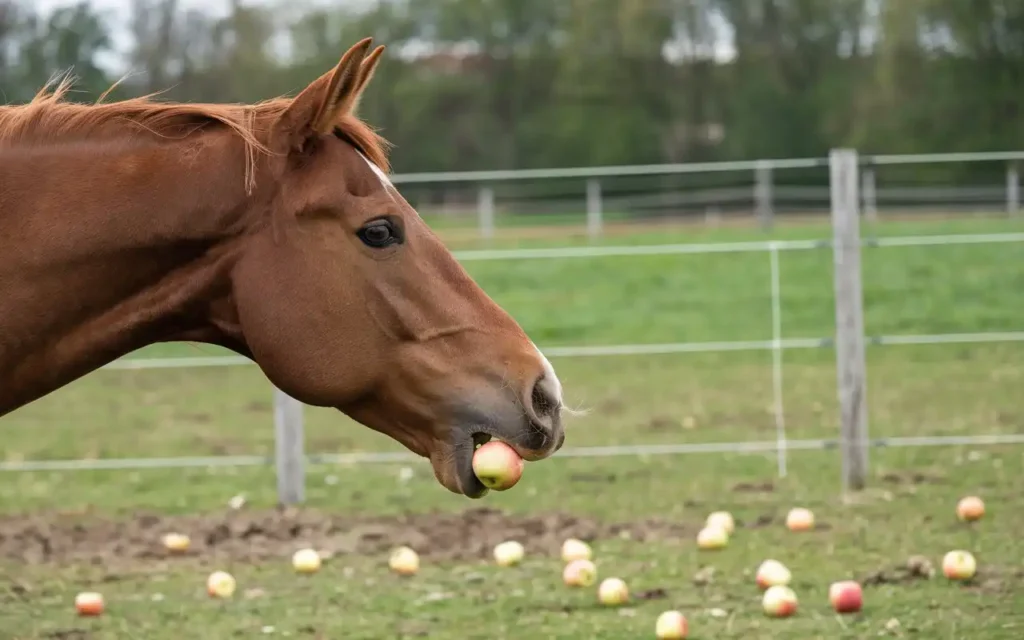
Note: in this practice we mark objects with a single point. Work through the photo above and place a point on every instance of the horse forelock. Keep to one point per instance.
(51, 119)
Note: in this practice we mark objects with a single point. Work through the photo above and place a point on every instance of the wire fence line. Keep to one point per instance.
(399, 457)
(288, 420)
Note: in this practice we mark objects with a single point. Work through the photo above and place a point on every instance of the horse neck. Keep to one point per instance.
(106, 249)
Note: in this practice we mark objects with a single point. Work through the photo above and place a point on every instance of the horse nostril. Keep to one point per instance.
(544, 402)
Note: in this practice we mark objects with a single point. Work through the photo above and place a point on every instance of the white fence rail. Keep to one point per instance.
(850, 190)
(763, 193)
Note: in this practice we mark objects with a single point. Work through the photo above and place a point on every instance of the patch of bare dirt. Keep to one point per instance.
(912, 478)
(68, 634)
(245, 535)
(915, 568)
(749, 487)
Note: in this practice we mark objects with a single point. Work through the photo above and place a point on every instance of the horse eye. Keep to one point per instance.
(378, 234)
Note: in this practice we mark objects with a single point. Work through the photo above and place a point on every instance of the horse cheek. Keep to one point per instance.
(303, 335)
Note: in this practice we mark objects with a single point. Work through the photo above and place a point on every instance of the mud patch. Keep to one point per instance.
(657, 593)
(912, 478)
(245, 535)
(915, 568)
(68, 634)
(748, 487)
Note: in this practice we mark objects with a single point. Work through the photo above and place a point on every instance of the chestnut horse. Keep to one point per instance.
(269, 229)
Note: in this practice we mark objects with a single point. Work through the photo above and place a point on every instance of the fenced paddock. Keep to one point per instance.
(706, 352)
(854, 194)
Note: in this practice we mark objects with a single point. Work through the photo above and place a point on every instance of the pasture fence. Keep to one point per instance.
(852, 195)
(763, 195)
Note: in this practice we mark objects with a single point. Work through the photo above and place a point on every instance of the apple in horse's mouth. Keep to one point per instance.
(503, 457)
(497, 465)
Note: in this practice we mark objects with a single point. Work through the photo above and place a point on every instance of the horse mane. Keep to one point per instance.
(50, 118)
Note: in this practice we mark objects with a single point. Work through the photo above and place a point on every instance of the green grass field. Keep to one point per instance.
(61, 533)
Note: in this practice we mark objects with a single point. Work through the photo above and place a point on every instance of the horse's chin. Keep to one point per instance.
(453, 468)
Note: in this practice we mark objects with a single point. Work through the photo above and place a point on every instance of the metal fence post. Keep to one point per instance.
(851, 369)
(594, 221)
(763, 194)
(288, 445)
(485, 212)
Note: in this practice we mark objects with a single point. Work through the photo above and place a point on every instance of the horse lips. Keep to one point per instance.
(497, 465)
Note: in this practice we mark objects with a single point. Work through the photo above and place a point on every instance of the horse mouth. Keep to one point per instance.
(454, 460)
(469, 484)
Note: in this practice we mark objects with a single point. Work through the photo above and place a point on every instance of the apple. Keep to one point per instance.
(722, 519)
(671, 625)
(497, 465)
(220, 584)
(613, 592)
(772, 573)
(89, 603)
(712, 538)
(846, 596)
(573, 549)
(579, 573)
(509, 553)
(176, 541)
(306, 561)
(970, 509)
(779, 601)
(959, 565)
(404, 561)
(800, 519)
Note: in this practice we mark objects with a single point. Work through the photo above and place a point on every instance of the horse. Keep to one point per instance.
(272, 230)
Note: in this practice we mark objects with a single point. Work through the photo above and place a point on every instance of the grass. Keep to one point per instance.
(907, 509)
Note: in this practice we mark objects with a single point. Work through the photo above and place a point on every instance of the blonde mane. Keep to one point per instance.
(48, 118)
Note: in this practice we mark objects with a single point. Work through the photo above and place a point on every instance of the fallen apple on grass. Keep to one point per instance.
(574, 549)
(712, 538)
(220, 584)
(176, 541)
(306, 561)
(497, 465)
(800, 519)
(613, 592)
(959, 565)
(89, 603)
(404, 561)
(671, 625)
(772, 573)
(579, 573)
(846, 596)
(509, 553)
(722, 519)
(970, 509)
(779, 601)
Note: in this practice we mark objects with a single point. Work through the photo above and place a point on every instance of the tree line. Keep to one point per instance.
(482, 84)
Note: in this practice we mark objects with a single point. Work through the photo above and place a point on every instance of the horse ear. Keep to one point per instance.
(315, 111)
(366, 71)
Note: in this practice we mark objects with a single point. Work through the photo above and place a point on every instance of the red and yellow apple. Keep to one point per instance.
(497, 465)
(779, 601)
(970, 509)
(671, 625)
(846, 596)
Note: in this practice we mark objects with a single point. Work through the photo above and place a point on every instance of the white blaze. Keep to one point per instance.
(549, 373)
(377, 171)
